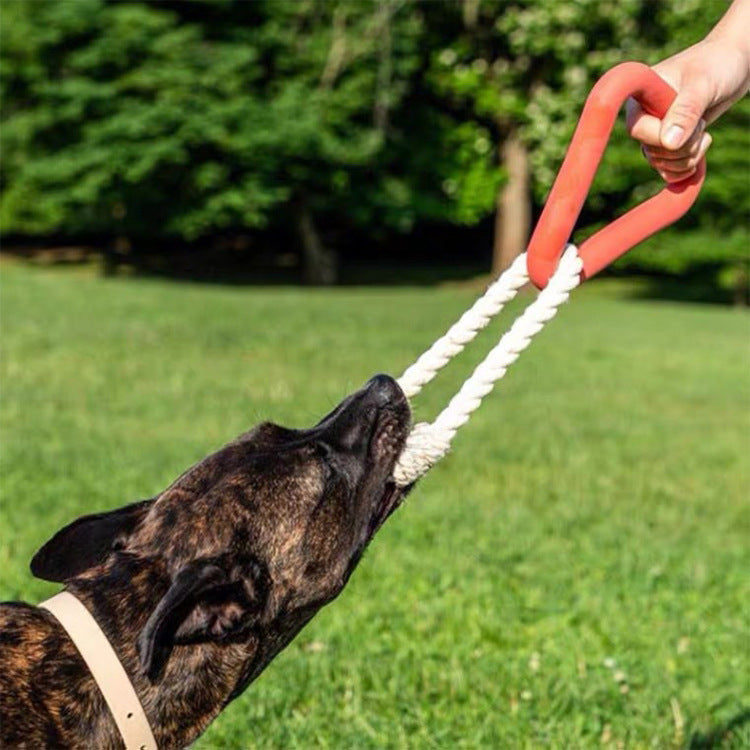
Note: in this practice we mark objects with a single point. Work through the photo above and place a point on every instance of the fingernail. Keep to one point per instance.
(673, 136)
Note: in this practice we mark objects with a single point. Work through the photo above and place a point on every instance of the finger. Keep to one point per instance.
(672, 177)
(674, 170)
(684, 115)
(642, 126)
(691, 147)
(685, 163)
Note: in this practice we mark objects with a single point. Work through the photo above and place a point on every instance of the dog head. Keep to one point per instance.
(256, 538)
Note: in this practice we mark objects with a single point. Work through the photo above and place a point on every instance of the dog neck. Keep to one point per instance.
(104, 666)
(198, 679)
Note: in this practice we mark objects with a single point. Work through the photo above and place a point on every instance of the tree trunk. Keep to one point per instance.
(513, 216)
(741, 286)
(385, 67)
(338, 50)
(115, 253)
(319, 262)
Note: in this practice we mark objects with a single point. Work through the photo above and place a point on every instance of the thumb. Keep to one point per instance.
(683, 117)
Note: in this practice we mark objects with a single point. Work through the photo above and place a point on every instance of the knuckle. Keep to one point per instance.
(677, 165)
(686, 110)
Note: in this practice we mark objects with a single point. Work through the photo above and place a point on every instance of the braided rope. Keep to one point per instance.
(429, 442)
(503, 290)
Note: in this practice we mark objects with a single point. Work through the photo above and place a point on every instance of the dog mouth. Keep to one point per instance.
(389, 502)
(370, 428)
(391, 429)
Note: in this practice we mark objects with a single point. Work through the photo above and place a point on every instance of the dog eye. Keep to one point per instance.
(327, 457)
(322, 450)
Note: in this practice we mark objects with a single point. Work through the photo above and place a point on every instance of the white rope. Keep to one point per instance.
(466, 328)
(429, 442)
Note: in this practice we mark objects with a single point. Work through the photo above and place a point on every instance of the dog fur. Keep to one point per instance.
(200, 587)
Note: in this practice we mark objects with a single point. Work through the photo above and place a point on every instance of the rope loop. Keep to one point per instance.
(429, 442)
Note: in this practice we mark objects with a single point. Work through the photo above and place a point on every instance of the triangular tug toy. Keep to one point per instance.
(554, 272)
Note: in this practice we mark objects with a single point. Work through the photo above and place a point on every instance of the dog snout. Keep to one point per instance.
(351, 425)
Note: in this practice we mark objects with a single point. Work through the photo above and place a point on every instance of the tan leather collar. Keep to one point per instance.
(105, 668)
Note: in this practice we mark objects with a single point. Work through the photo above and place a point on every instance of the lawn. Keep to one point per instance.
(575, 574)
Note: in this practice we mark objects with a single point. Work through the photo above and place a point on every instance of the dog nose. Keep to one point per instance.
(383, 390)
(350, 425)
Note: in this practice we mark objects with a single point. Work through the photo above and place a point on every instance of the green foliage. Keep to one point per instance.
(136, 120)
(592, 519)
(677, 252)
(528, 66)
(725, 199)
(171, 119)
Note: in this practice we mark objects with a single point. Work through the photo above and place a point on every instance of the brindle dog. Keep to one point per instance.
(200, 587)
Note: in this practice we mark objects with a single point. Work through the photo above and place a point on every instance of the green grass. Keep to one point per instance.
(591, 523)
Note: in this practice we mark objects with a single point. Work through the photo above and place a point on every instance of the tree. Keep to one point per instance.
(525, 67)
(138, 121)
(186, 119)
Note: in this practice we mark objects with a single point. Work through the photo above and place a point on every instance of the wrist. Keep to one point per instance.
(732, 29)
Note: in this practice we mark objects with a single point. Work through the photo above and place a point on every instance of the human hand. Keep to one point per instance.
(709, 77)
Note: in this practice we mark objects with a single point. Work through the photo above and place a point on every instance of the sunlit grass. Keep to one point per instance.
(575, 574)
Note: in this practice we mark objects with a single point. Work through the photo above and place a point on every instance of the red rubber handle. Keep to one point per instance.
(574, 179)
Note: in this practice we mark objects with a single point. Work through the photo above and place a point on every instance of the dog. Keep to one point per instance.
(198, 588)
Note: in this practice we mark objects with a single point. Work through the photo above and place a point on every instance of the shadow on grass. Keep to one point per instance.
(688, 289)
(717, 737)
(227, 267)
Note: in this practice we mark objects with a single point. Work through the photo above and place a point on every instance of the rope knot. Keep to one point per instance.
(424, 447)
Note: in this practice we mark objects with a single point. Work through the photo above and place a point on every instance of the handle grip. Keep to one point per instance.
(574, 179)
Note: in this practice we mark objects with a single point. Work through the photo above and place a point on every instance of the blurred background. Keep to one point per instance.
(175, 178)
(334, 142)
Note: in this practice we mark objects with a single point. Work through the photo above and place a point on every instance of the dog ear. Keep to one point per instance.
(205, 602)
(85, 542)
